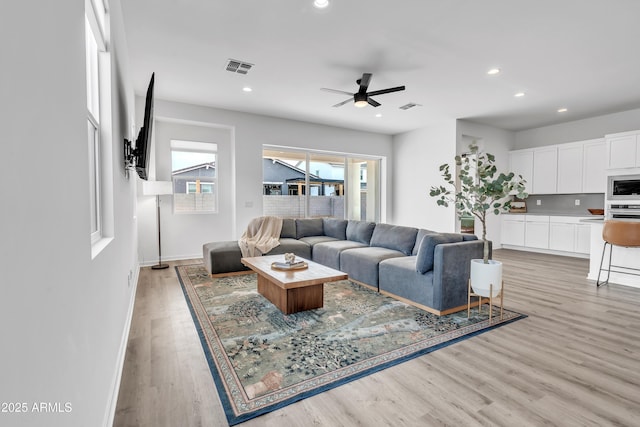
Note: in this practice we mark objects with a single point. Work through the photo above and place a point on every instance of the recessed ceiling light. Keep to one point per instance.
(493, 71)
(379, 115)
(247, 89)
(321, 4)
(562, 110)
(519, 94)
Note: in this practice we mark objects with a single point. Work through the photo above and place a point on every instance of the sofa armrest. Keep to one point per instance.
(451, 270)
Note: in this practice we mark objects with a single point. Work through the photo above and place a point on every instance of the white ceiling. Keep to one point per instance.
(580, 54)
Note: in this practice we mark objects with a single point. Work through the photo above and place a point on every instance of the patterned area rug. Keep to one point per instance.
(262, 360)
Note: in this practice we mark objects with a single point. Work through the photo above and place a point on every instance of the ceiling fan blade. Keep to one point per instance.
(391, 89)
(340, 104)
(373, 102)
(364, 82)
(341, 92)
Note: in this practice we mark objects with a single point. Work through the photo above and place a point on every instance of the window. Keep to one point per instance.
(194, 172)
(97, 91)
(302, 184)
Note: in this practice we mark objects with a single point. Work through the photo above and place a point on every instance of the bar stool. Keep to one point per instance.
(618, 233)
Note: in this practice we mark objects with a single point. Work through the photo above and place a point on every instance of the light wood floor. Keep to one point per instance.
(575, 361)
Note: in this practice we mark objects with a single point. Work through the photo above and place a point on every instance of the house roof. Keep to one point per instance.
(208, 165)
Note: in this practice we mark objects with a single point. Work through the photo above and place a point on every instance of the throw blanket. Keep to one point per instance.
(261, 236)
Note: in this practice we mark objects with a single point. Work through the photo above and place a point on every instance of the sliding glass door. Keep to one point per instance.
(299, 184)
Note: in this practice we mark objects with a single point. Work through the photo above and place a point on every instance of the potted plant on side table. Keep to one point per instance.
(482, 191)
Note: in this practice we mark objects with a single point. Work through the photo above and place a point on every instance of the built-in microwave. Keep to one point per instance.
(623, 187)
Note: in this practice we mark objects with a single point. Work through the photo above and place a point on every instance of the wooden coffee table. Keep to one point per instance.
(293, 290)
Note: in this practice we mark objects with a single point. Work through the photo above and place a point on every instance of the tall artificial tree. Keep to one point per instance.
(480, 191)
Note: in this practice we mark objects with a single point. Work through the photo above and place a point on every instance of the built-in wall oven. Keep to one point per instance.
(624, 210)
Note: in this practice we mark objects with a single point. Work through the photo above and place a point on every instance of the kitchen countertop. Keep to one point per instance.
(557, 213)
(598, 220)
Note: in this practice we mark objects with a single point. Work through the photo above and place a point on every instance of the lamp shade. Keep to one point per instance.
(157, 188)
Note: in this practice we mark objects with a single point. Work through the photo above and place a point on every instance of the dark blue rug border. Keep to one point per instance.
(232, 419)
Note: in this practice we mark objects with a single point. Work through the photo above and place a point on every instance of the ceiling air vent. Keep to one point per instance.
(409, 105)
(239, 67)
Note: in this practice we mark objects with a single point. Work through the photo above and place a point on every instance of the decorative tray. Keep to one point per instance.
(286, 266)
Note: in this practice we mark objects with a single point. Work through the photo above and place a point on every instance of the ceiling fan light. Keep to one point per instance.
(360, 104)
(321, 4)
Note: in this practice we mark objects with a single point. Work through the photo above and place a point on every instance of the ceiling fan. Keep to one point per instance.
(361, 98)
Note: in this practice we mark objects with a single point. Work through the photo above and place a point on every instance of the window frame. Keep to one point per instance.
(99, 133)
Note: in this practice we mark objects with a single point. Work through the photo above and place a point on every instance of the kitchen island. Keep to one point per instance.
(626, 259)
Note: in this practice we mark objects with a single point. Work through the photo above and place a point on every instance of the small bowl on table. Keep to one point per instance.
(596, 211)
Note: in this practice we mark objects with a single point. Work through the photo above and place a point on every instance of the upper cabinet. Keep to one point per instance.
(623, 150)
(576, 167)
(521, 163)
(570, 168)
(594, 178)
(545, 170)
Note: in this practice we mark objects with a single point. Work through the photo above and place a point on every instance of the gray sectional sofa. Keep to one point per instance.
(422, 267)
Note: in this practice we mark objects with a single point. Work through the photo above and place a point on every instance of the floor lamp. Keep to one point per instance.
(158, 188)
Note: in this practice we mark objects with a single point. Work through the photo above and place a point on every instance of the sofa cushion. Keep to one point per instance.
(222, 257)
(288, 228)
(336, 228)
(394, 237)
(309, 227)
(328, 253)
(314, 240)
(361, 264)
(288, 245)
(424, 260)
(421, 233)
(360, 231)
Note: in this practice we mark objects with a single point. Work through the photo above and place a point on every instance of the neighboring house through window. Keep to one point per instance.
(303, 183)
(194, 175)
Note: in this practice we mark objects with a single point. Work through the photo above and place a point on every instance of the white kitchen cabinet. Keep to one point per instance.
(575, 167)
(622, 150)
(568, 234)
(536, 231)
(521, 163)
(562, 236)
(545, 170)
(570, 168)
(583, 238)
(512, 230)
(594, 177)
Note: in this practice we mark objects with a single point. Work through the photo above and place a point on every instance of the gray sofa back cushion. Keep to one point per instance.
(421, 233)
(288, 228)
(336, 228)
(424, 260)
(309, 227)
(360, 231)
(394, 237)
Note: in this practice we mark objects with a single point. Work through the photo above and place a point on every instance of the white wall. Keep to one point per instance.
(63, 316)
(248, 133)
(417, 156)
(183, 234)
(578, 130)
(497, 142)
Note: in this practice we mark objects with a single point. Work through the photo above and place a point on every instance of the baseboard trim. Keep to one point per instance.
(115, 389)
(151, 262)
(546, 251)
